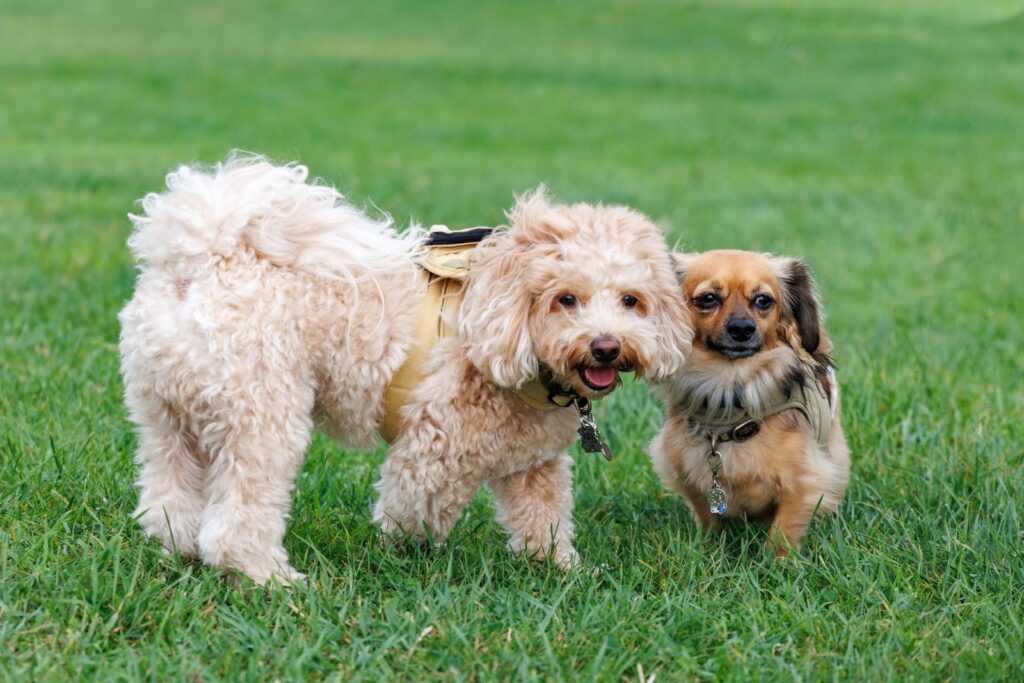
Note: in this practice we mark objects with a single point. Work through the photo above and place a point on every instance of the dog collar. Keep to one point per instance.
(545, 393)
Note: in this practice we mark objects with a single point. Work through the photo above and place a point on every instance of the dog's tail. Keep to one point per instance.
(247, 203)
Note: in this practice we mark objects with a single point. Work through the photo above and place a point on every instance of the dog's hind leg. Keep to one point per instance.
(172, 478)
(535, 505)
(253, 465)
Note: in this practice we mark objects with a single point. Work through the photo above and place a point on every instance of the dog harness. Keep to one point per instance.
(808, 395)
(444, 267)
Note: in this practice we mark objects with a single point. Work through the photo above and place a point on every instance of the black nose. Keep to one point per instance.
(605, 349)
(740, 329)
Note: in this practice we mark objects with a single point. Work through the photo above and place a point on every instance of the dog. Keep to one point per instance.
(752, 422)
(266, 306)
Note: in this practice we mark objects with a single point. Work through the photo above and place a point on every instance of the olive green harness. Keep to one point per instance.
(808, 395)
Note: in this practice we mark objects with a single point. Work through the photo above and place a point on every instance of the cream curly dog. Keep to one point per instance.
(266, 305)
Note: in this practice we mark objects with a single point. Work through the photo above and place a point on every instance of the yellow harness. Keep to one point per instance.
(443, 270)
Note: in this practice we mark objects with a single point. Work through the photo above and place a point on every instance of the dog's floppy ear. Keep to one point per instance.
(681, 263)
(673, 320)
(494, 315)
(800, 302)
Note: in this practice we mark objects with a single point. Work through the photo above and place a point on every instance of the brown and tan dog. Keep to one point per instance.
(752, 426)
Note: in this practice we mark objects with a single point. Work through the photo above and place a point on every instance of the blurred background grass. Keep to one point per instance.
(881, 141)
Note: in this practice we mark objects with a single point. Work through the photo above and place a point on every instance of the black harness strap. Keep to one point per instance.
(471, 236)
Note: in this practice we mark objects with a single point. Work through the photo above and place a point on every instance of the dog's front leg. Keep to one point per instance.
(535, 505)
(423, 489)
(790, 524)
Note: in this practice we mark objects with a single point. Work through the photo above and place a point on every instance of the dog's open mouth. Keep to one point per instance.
(599, 378)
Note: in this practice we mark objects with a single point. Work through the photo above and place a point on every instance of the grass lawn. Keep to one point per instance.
(882, 141)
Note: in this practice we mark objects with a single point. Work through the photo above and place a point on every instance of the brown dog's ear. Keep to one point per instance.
(681, 262)
(801, 302)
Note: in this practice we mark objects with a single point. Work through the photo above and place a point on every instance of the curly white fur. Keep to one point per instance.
(266, 304)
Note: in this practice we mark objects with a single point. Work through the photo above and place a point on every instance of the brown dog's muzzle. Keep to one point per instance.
(739, 339)
(741, 329)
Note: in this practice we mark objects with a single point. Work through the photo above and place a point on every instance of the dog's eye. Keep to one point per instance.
(629, 301)
(706, 302)
(568, 301)
(763, 302)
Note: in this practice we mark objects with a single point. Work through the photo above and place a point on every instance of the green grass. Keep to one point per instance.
(882, 141)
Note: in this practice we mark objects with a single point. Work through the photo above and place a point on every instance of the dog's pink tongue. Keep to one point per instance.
(601, 377)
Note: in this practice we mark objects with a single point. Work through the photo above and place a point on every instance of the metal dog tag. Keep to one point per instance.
(716, 500)
(590, 435)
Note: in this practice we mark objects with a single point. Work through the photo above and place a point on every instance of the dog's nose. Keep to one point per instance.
(605, 349)
(740, 329)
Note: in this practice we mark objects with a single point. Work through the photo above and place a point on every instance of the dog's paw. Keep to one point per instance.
(398, 531)
(176, 532)
(566, 560)
(288, 576)
(781, 545)
(394, 535)
(564, 557)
